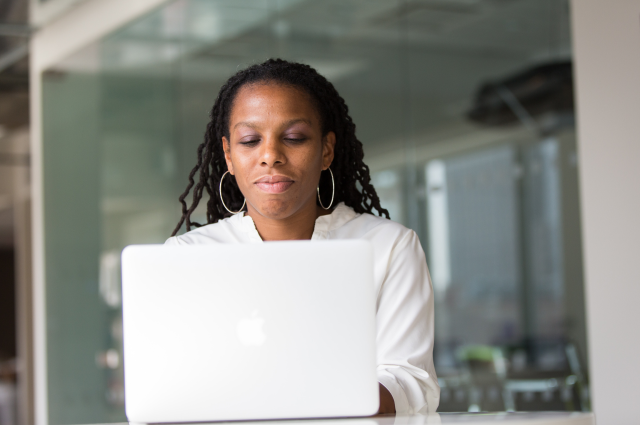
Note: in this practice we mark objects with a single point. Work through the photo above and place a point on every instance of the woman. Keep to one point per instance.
(281, 161)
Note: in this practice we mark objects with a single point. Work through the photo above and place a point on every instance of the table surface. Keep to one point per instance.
(502, 418)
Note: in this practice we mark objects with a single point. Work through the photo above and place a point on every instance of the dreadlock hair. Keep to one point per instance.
(352, 180)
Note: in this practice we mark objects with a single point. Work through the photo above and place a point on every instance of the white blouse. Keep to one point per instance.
(404, 307)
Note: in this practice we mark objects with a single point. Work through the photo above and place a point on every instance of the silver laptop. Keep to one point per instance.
(253, 331)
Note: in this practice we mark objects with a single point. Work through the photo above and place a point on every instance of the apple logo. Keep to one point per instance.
(250, 330)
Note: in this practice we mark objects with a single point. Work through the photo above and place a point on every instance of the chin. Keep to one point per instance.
(276, 208)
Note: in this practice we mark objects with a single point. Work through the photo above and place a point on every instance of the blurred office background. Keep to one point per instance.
(14, 206)
(466, 112)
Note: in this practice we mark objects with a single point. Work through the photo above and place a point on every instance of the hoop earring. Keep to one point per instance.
(333, 184)
(225, 205)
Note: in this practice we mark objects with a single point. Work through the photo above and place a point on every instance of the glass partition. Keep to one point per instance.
(486, 176)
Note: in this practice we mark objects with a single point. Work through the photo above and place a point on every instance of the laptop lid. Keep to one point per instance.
(250, 331)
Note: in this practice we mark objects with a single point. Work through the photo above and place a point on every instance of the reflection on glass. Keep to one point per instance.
(493, 200)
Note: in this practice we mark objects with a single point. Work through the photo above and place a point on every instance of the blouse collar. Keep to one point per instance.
(340, 216)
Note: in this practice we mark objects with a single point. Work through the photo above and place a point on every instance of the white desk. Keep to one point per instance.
(536, 418)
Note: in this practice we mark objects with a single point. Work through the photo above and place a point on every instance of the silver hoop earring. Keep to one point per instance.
(225, 205)
(333, 192)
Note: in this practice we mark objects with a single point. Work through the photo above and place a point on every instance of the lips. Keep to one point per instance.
(274, 184)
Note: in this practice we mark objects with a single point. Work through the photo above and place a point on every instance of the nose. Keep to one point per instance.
(272, 153)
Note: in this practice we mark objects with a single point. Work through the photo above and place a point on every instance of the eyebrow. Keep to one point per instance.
(287, 124)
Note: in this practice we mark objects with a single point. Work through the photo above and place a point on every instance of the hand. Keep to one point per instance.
(387, 405)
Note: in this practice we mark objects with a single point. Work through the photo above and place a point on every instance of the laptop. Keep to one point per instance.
(279, 330)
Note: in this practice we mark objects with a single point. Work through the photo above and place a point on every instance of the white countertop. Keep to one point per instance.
(502, 418)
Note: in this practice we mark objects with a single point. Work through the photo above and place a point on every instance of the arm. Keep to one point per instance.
(405, 333)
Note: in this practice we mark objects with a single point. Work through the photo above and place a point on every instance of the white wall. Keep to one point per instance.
(607, 67)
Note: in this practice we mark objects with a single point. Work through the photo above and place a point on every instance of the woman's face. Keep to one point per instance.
(276, 150)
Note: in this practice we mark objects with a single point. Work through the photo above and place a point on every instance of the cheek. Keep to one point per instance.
(309, 159)
(242, 165)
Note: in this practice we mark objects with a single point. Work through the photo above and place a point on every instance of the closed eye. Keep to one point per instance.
(250, 142)
(290, 139)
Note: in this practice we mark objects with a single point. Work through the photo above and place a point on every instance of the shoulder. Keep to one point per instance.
(227, 230)
(399, 260)
(371, 226)
(388, 237)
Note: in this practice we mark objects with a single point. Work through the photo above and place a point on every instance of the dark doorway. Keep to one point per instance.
(7, 304)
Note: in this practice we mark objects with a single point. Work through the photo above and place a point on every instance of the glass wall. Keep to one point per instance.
(464, 108)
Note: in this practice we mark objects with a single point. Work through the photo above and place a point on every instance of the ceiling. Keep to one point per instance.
(403, 66)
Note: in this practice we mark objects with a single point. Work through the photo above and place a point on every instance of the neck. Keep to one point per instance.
(298, 226)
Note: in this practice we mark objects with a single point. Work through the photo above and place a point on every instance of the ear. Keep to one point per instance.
(328, 148)
(226, 146)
